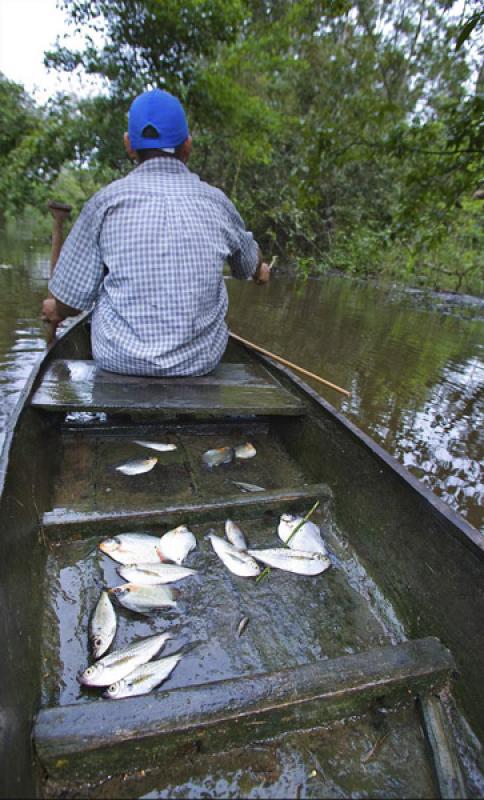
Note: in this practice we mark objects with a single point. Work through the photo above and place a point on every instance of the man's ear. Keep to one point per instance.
(186, 149)
(127, 146)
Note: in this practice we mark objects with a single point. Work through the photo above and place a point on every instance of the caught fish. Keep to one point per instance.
(131, 548)
(248, 487)
(136, 466)
(221, 455)
(120, 663)
(242, 625)
(143, 679)
(144, 599)
(102, 626)
(154, 573)
(246, 450)
(298, 561)
(176, 544)
(307, 538)
(235, 535)
(235, 560)
(161, 448)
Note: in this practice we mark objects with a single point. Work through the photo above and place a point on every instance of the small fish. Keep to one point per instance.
(131, 548)
(136, 466)
(102, 627)
(298, 561)
(307, 538)
(242, 625)
(143, 598)
(221, 455)
(176, 544)
(120, 663)
(154, 573)
(236, 561)
(161, 448)
(235, 535)
(143, 679)
(246, 450)
(248, 487)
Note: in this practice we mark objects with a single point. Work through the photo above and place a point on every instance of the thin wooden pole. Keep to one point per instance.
(60, 212)
(289, 364)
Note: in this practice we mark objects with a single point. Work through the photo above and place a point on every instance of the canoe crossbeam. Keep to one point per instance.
(70, 740)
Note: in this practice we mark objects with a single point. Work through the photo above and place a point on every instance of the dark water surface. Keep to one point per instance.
(416, 375)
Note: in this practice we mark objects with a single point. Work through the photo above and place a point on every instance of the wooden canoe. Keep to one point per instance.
(363, 681)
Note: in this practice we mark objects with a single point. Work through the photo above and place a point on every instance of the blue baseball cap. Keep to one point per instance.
(163, 112)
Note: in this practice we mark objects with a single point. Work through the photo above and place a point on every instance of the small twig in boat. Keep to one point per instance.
(375, 749)
(264, 574)
(303, 521)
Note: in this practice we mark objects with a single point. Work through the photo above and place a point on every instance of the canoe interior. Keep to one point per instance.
(63, 496)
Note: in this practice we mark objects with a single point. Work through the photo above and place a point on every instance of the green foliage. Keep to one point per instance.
(348, 132)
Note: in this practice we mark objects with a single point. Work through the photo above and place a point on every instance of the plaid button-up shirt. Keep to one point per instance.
(148, 252)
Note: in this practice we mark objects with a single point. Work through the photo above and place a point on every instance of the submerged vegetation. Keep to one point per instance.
(349, 134)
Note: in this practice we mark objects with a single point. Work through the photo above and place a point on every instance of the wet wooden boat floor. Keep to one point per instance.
(293, 619)
(88, 480)
(378, 755)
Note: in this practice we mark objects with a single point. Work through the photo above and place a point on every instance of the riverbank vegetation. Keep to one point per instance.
(349, 134)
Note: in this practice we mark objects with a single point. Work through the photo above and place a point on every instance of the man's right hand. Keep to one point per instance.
(262, 273)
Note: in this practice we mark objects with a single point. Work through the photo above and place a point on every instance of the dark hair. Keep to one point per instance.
(149, 132)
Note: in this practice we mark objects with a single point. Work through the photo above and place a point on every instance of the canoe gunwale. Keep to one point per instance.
(27, 392)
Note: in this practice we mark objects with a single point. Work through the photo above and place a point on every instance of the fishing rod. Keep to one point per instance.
(289, 364)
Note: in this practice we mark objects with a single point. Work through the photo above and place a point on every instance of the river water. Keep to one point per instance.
(415, 371)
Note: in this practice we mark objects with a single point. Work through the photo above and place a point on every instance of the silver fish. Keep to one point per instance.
(220, 455)
(131, 548)
(144, 599)
(242, 625)
(160, 447)
(120, 663)
(298, 561)
(246, 450)
(176, 544)
(235, 535)
(143, 679)
(236, 561)
(136, 466)
(154, 573)
(102, 627)
(307, 538)
(248, 487)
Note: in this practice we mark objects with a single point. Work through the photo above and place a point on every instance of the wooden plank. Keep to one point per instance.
(231, 389)
(59, 525)
(85, 740)
(439, 737)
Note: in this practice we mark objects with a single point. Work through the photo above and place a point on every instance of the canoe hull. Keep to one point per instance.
(425, 560)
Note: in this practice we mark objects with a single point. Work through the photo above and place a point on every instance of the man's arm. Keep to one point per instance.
(79, 271)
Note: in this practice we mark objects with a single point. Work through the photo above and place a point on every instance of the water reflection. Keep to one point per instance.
(23, 276)
(416, 376)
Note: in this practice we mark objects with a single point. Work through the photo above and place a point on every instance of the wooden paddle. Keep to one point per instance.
(60, 212)
(289, 364)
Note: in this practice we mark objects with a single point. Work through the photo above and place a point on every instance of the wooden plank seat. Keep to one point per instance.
(73, 740)
(62, 523)
(231, 389)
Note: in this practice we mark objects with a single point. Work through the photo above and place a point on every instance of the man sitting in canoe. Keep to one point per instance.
(148, 251)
